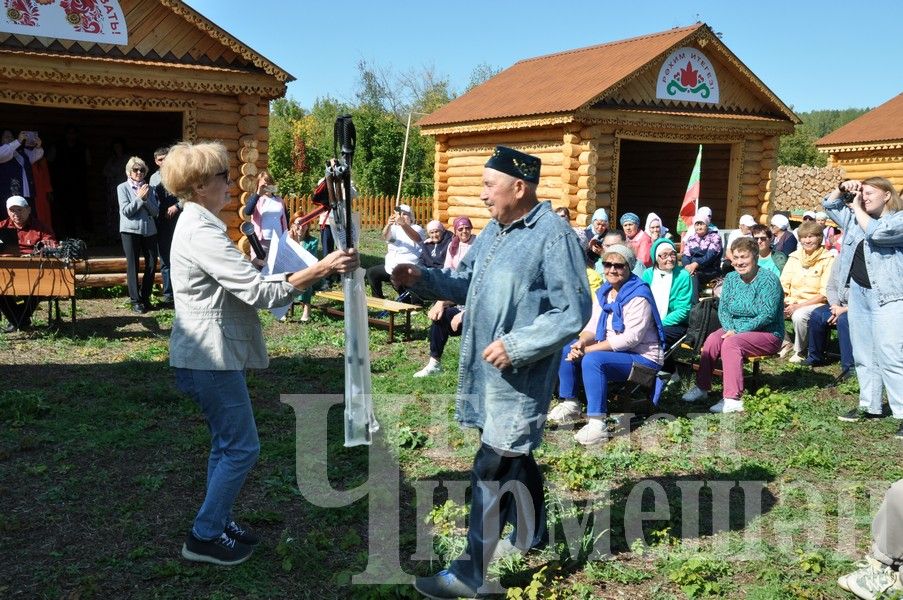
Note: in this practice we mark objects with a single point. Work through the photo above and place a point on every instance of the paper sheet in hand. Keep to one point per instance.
(287, 256)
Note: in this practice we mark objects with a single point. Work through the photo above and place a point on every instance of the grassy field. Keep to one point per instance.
(102, 467)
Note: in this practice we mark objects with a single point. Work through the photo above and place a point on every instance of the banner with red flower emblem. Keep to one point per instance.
(687, 74)
(100, 21)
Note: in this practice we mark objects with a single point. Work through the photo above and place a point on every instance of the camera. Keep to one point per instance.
(845, 195)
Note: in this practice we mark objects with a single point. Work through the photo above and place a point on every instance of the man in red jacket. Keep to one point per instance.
(29, 231)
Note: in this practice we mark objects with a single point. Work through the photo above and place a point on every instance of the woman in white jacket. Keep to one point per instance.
(216, 335)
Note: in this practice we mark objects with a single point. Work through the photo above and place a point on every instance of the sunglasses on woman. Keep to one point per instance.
(614, 266)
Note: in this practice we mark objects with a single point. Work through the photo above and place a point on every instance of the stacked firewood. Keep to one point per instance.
(803, 188)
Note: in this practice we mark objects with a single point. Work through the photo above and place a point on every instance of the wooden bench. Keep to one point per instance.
(390, 307)
(755, 361)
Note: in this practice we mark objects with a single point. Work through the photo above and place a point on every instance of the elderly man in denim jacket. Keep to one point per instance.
(525, 287)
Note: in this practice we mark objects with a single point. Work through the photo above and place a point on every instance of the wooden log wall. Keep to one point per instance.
(875, 163)
(759, 162)
(459, 170)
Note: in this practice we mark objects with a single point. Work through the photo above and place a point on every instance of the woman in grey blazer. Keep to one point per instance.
(138, 208)
(216, 335)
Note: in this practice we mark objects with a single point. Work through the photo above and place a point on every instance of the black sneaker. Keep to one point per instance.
(857, 414)
(219, 551)
(241, 534)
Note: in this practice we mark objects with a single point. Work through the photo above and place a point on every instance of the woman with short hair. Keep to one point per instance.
(138, 207)
(805, 283)
(872, 261)
(624, 329)
(752, 324)
(768, 259)
(216, 335)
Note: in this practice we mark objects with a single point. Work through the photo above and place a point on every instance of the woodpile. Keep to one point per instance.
(803, 188)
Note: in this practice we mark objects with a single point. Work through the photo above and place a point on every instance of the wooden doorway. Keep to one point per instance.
(653, 176)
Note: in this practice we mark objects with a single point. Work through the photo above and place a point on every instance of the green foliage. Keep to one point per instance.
(811, 562)
(577, 469)
(700, 575)
(18, 407)
(799, 147)
(548, 584)
(767, 412)
(616, 572)
(410, 438)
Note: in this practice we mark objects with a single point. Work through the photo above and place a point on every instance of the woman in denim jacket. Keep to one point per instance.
(872, 260)
(217, 335)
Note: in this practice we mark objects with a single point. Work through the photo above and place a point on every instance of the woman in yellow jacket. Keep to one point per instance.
(805, 282)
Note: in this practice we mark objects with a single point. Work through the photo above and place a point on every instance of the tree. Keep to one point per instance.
(799, 147)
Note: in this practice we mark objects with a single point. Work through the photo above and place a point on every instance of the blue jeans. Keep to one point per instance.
(596, 369)
(820, 330)
(877, 350)
(234, 446)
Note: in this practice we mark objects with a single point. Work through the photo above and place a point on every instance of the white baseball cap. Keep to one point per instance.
(16, 201)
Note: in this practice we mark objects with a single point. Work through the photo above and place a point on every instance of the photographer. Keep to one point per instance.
(267, 211)
(871, 259)
(404, 239)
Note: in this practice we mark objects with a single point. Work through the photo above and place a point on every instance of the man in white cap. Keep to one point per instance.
(784, 241)
(404, 238)
(28, 231)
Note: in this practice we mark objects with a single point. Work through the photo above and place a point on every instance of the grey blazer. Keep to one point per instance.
(137, 215)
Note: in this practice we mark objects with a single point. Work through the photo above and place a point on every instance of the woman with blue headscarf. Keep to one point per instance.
(625, 329)
(637, 239)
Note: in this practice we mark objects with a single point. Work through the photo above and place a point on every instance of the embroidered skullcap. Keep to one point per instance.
(515, 163)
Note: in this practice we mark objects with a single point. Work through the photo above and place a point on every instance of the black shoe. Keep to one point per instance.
(10, 328)
(219, 551)
(811, 362)
(899, 434)
(857, 414)
(242, 534)
(443, 586)
(138, 308)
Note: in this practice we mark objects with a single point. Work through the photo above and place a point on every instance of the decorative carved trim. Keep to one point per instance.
(186, 107)
(864, 160)
(198, 20)
(615, 176)
(488, 149)
(482, 127)
(678, 129)
(152, 81)
(864, 147)
(680, 137)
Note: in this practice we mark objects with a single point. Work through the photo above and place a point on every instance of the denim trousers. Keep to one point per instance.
(877, 349)
(234, 446)
(595, 370)
(441, 330)
(505, 488)
(820, 331)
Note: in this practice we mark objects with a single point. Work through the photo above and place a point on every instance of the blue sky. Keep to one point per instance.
(813, 55)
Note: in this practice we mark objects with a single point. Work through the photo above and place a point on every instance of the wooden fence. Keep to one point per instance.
(375, 210)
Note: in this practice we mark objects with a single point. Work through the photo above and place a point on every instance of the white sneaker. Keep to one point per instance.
(871, 580)
(563, 412)
(594, 432)
(695, 394)
(786, 348)
(430, 369)
(796, 359)
(727, 405)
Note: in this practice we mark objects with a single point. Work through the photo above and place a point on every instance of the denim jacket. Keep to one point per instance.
(525, 284)
(883, 249)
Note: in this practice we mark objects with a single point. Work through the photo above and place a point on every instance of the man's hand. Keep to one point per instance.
(456, 321)
(172, 211)
(436, 310)
(496, 355)
(405, 275)
(342, 261)
(836, 311)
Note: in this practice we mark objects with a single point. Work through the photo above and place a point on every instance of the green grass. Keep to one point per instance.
(102, 462)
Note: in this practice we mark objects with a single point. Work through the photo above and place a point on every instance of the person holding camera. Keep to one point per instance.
(16, 176)
(404, 239)
(267, 211)
(216, 335)
(868, 212)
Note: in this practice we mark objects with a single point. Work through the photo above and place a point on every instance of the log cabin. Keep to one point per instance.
(175, 76)
(618, 126)
(869, 146)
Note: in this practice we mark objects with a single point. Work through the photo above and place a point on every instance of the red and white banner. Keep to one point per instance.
(100, 21)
